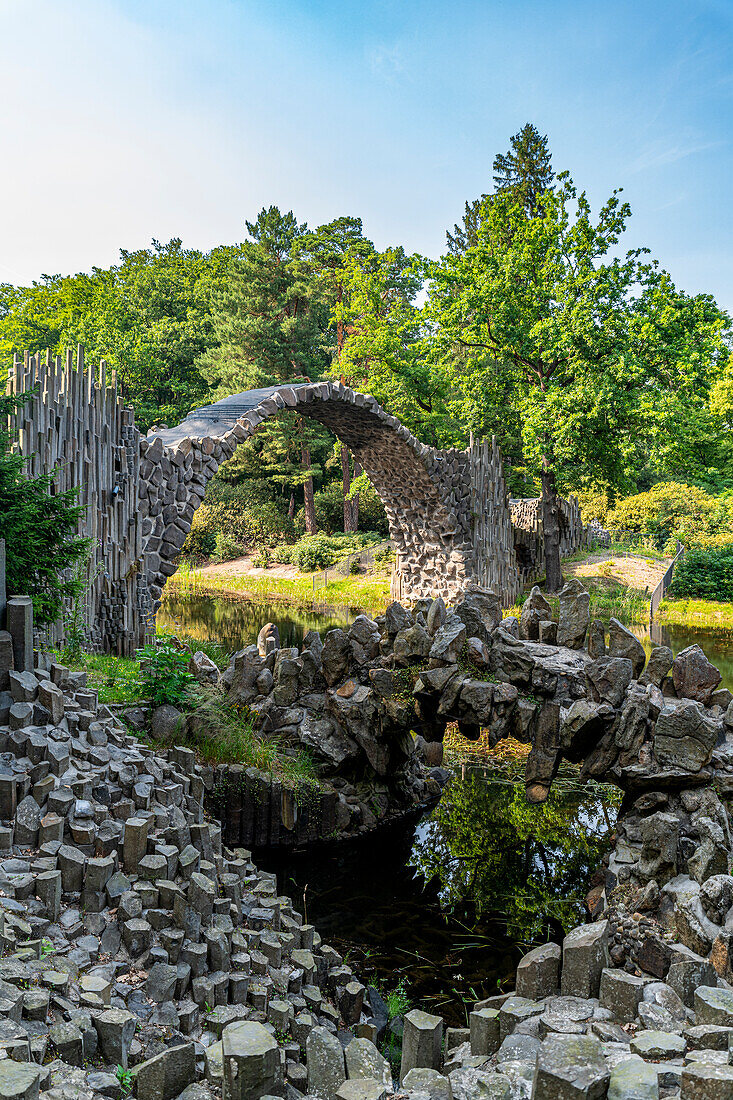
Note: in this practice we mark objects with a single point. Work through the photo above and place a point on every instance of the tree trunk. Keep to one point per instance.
(358, 469)
(310, 507)
(348, 504)
(551, 530)
(291, 507)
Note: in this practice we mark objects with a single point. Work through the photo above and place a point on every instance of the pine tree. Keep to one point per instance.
(269, 321)
(525, 168)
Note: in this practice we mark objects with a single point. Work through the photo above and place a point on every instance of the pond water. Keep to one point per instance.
(448, 903)
(234, 622)
(718, 645)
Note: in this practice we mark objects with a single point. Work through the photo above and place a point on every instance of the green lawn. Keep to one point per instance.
(369, 591)
(697, 614)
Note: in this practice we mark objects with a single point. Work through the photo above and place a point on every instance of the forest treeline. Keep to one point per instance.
(537, 324)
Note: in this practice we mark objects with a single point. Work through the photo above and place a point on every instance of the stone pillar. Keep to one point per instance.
(135, 843)
(20, 625)
(3, 597)
(421, 1042)
(484, 1031)
(251, 1062)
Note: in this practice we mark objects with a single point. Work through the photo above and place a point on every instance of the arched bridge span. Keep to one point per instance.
(427, 493)
(448, 509)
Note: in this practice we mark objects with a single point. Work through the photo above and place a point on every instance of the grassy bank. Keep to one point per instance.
(221, 734)
(696, 614)
(368, 591)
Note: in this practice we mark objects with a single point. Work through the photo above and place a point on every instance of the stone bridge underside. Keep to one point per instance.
(427, 493)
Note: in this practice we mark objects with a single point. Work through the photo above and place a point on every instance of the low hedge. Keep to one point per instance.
(705, 574)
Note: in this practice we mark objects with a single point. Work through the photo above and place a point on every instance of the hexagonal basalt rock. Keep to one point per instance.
(571, 1066)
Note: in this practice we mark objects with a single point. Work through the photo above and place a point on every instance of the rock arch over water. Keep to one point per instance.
(430, 495)
(448, 510)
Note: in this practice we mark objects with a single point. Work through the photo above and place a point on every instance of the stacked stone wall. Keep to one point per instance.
(528, 536)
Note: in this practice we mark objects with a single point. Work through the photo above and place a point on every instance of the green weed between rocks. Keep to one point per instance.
(120, 679)
(224, 733)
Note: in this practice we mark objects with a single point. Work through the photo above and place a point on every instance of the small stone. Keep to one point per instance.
(706, 1081)
(633, 1079)
(326, 1065)
(655, 1046)
(538, 973)
(570, 1066)
(714, 1006)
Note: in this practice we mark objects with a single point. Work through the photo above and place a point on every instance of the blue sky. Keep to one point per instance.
(121, 120)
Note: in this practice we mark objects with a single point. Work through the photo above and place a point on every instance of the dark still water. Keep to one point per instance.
(448, 905)
(234, 622)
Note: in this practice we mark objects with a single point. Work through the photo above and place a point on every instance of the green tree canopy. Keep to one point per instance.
(581, 338)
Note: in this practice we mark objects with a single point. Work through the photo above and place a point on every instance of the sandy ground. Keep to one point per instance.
(241, 567)
(635, 571)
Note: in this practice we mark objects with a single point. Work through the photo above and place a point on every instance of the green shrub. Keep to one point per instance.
(227, 548)
(672, 510)
(313, 552)
(283, 553)
(164, 673)
(385, 555)
(705, 574)
(321, 551)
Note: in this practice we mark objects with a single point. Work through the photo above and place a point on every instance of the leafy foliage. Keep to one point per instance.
(164, 672)
(672, 511)
(705, 574)
(42, 546)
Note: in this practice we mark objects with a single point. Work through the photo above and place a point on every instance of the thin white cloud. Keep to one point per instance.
(386, 62)
(658, 154)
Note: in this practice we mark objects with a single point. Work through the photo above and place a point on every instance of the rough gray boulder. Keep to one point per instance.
(693, 676)
(622, 643)
(574, 617)
(684, 737)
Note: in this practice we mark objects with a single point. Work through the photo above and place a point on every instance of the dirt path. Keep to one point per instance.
(242, 567)
(634, 572)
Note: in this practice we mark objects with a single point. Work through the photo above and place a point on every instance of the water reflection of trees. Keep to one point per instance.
(236, 622)
(485, 845)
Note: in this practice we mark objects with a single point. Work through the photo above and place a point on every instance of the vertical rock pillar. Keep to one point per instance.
(20, 626)
(421, 1042)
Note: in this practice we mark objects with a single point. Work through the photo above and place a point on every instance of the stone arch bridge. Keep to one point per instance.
(448, 510)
